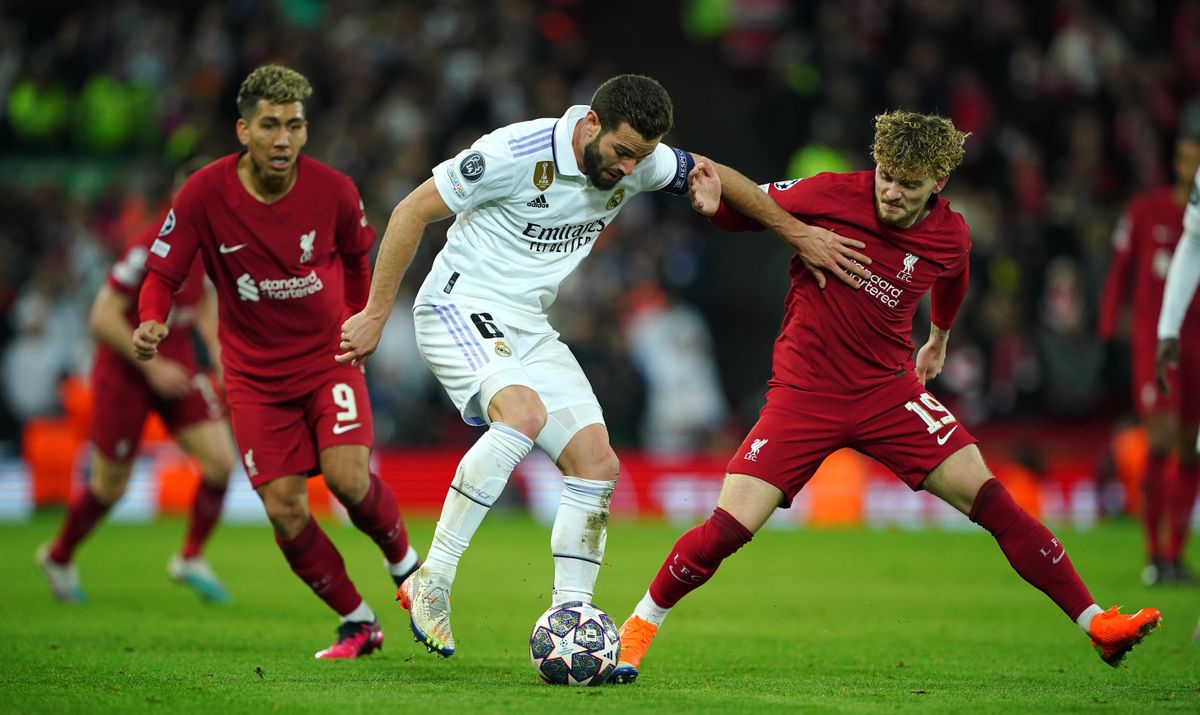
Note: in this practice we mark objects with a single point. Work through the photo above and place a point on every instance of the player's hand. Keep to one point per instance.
(1167, 357)
(704, 187)
(146, 338)
(360, 337)
(930, 359)
(823, 250)
(168, 378)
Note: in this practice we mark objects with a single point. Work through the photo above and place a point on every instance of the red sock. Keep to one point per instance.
(317, 562)
(206, 509)
(1154, 487)
(695, 557)
(85, 512)
(1029, 546)
(378, 516)
(1184, 499)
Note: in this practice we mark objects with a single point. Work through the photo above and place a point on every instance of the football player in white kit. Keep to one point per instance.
(531, 199)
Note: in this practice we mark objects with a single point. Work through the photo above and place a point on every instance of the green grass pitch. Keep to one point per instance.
(799, 621)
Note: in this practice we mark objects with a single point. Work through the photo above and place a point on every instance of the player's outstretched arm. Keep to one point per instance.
(361, 331)
(821, 250)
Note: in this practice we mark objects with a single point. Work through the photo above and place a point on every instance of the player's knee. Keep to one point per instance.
(604, 465)
(109, 482)
(520, 408)
(216, 468)
(349, 483)
(287, 515)
(590, 458)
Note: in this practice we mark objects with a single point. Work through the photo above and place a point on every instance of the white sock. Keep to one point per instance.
(578, 538)
(481, 476)
(362, 614)
(1085, 618)
(405, 564)
(648, 610)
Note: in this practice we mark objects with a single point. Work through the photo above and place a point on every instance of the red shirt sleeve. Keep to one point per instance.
(358, 280)
(727, 219)
(947, 296)
(354, 234)
(154, 301)
(172, 253)
(1117, 284)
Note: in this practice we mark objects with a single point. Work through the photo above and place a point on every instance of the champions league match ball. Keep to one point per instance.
(574, 643)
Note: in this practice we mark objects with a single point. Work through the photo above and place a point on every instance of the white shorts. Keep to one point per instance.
(475, 353)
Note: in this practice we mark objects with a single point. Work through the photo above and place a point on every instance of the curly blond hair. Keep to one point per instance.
(919, 146)
(276, 84)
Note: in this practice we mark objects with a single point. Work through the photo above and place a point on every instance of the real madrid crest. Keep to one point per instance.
(502, 349)
(616, 199)
(543, 175)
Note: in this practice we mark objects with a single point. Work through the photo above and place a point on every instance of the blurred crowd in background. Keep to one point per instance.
(1072, 106)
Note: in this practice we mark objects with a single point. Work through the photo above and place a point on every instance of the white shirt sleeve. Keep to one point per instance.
(1184, 273)
(482, 173)
(667, 170)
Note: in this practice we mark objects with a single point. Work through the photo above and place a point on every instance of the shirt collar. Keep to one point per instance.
(564, 152)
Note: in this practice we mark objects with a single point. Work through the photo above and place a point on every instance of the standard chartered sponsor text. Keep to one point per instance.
(880, 288)
(294, 287)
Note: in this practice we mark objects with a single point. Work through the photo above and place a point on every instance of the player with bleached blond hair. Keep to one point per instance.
(844, 376)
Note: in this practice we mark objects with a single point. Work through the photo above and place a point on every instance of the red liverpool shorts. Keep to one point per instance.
(1184, 398)
(123, 401)
(897, 423)
(281, 439)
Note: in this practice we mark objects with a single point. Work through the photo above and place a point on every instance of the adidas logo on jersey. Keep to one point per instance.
(539, 203)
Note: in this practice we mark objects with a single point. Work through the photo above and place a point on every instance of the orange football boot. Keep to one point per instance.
(1114, 634)
(636, 635)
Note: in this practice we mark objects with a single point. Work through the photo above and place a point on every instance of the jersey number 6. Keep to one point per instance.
(483, 322)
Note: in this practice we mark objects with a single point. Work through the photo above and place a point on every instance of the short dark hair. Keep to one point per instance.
(636, 99)
(276, 84)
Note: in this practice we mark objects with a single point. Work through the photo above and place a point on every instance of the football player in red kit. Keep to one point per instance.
(284, 240)
(843, 376)
(1143, 244)
(124, 391)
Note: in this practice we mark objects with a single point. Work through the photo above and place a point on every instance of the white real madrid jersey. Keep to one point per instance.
(527, 215)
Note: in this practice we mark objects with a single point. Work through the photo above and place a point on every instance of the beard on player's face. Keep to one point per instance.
(274, 137)
(603, 175)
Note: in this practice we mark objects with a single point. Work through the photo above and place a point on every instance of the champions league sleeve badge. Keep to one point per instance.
(472, 166)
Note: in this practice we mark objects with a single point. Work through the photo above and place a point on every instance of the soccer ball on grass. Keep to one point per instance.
(574, 643)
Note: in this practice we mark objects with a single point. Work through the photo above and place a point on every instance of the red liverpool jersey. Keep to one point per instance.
(1143, 244)
(277, 268)
(126, 278)
(844, 340)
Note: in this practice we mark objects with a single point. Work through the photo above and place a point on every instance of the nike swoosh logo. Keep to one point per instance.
(1059, 557)
(342, 429)
(230, 249)
(942, 440)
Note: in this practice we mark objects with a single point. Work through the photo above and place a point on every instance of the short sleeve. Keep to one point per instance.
(129, 271)
(354, 233)
(667, 169)
(172, 251)
(482, 173)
